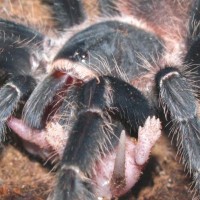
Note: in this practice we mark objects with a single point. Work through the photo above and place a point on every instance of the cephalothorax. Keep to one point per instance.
(98, 83)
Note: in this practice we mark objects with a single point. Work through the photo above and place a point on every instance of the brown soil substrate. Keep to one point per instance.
(22, 178)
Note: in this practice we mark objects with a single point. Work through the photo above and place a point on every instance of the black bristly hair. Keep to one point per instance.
(99, 66)
(101, 103)
(19, 46)
(67, 13)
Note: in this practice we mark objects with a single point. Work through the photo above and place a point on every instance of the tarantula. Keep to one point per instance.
(97, 83)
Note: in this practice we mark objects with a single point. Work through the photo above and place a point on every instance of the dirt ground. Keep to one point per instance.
(22, 178)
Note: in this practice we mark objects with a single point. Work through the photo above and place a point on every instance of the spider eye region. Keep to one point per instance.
(80, 55)
(103, 46)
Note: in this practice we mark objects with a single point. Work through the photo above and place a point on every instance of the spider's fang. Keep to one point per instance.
(118, 179)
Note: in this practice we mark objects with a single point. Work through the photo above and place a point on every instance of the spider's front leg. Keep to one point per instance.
(177, 94)
(177, 98)
(66, 13)
(19, 59)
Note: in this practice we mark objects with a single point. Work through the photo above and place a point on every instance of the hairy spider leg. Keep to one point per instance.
(108, 8)
(66, 13)
(189, 124)
(177, 99)
(34, 110)
(19, 47)
(100, 101)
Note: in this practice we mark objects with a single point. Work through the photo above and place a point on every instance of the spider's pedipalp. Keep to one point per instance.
(33, 112)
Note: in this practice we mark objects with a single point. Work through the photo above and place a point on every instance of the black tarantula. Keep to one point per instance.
(93, 84)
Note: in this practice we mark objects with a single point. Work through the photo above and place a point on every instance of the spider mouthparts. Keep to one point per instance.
(75, 70)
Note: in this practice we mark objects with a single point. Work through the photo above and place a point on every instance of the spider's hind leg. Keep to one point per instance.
(66, 13)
